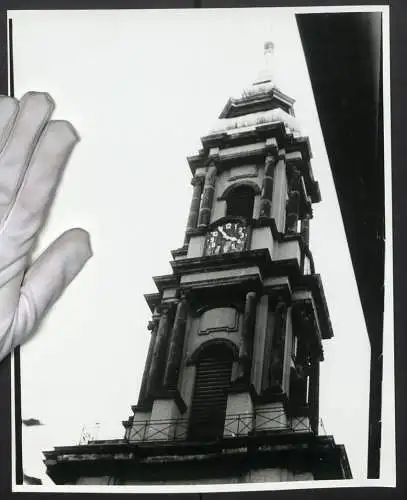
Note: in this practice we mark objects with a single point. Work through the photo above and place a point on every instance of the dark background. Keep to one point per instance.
(349, 126)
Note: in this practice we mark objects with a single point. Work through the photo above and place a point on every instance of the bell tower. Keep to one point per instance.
(230, 386)
(237, 328)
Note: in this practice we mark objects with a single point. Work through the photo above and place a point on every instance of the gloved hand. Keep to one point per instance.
(33, 153)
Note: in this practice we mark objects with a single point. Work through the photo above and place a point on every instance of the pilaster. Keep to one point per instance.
(207, 196)
(305, 229)
(278, 346)
(278, 209)
(246, 346)
(268, 184)
(153, 327)
(176, 345)
(293, 203)
(314, 395)
(259, 343)
(158, 355)
(197, 182)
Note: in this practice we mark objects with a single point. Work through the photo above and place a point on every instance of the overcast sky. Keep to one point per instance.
(142, 87)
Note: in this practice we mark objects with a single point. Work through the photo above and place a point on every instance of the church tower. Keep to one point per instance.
(230, 388)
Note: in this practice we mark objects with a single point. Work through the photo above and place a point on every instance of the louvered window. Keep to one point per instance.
(209, 401)
(240, 203)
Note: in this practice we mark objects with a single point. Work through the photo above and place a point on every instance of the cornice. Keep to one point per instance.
(257, 101)
(165, 281)
(233, 260)
(153, 300)
(180, 252)
(313, 283)
(256, 144)
(239, 136)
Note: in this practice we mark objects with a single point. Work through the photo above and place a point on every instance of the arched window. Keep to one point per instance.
(209, 400)
(240, 202)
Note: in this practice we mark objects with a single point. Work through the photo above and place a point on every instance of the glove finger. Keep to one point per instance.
(47, 278)
(8, 113)
(40, 183)
(9, 298)
(34, 112)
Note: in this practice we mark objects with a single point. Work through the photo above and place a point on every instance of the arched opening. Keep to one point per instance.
(240, 202)
(209, 400)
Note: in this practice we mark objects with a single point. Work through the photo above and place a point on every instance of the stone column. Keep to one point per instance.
(293, 203)
(153, 327)
(176, 345)
(197, 182)
(260, 333)
(299, 385)
(313, 395)
(246, 347)
(305, 229)
(268, 184)
(277, 346)
(157, 358)
(278, 210)
(207, 197)
(287, 351)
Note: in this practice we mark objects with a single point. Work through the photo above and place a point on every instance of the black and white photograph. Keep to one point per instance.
(219, 336)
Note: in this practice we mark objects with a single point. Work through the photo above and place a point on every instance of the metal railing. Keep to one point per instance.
(235, 425)
(260, 421)
(159, 430)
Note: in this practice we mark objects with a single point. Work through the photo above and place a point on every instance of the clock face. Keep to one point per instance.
(226, 238)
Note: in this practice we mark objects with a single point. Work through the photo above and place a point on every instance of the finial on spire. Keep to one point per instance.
(267, 72)
(268, 47)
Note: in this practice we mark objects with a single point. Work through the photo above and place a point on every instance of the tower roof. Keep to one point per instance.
(260, 103)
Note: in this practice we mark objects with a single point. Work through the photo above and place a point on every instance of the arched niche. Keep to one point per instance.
(240, 198)
(213, 345)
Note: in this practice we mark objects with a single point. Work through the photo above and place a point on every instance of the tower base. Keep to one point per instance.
(250, 459)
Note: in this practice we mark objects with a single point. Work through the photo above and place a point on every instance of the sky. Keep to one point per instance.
(141, 88)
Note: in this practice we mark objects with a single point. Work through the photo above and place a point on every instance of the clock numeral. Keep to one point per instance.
(229, 237)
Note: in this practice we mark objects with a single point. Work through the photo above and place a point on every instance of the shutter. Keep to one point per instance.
(209, 401)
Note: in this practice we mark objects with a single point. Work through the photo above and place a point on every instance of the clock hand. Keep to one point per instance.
(234, 238)
(224, 234)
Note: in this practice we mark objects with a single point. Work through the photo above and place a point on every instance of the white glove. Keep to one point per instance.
(33, 153)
